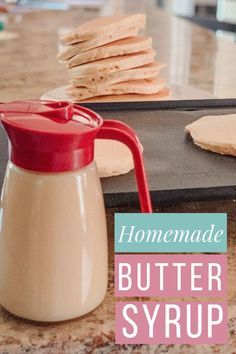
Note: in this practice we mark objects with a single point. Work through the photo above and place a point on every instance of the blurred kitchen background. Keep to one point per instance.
(195, 58)
(217, 15)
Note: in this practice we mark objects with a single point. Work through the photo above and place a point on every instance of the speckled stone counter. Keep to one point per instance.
(28, 68)
(194, 56)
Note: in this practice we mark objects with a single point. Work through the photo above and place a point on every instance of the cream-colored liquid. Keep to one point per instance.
(53, 244)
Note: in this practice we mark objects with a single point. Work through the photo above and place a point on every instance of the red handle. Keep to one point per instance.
(116, 130)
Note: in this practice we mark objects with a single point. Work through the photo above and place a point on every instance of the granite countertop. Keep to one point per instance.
(194, 56)
(28, 69)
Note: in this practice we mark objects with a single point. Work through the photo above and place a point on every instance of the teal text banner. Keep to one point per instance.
(172, 232)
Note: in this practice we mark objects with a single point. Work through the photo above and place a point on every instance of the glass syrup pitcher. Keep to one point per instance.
(53, 236)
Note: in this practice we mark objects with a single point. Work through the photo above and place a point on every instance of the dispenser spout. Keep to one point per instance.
(61, 110)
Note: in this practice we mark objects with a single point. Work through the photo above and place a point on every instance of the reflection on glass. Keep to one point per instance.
(180, 53)
(226, 10)
(178, 7)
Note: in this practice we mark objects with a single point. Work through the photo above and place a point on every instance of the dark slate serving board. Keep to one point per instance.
(177, 170)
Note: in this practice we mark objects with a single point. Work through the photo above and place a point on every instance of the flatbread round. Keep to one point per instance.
(215, 133)
(112, 157)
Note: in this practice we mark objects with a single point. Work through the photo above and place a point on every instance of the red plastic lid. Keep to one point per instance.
(50, 136)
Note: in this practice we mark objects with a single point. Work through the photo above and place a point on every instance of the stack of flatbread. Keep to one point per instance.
(108, 61)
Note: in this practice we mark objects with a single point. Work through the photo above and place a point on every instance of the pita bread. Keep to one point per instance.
(121, 47)
(109, 65)
(215, 133)
(143, 72)
(111, 25)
